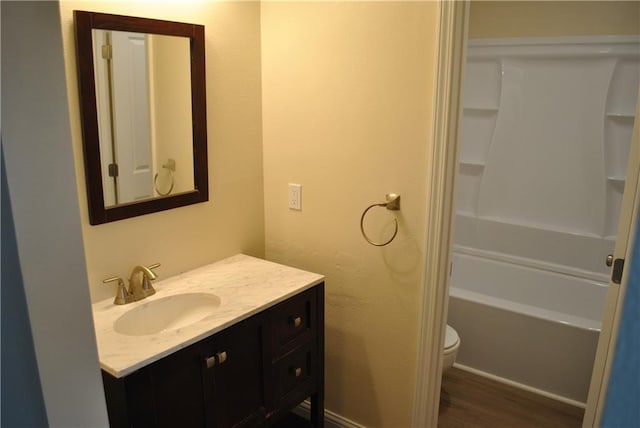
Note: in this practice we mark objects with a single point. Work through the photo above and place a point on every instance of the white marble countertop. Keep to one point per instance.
(245, 286)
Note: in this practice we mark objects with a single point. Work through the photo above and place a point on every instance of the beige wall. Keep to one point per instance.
(170, 105)
(347, 102)
(552, 18)
(232, 221)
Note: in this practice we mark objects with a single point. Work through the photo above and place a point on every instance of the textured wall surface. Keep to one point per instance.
(553, 18)
(347, 106)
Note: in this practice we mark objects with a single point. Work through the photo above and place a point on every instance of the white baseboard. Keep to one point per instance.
(331, 420)
(520, 386)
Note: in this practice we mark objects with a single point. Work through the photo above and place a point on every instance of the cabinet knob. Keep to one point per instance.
(211, 361)
(219, 358)
(296, 321)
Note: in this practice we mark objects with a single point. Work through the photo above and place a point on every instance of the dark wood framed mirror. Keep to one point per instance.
(143, 114)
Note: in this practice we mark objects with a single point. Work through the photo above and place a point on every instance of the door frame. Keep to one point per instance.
(452, 36)
(452, 41)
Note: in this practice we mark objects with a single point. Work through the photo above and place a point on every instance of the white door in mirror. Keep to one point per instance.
(132, 138)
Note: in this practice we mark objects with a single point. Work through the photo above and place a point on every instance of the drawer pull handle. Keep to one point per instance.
(219, 358)
(297, 321)
(211, 361)
(296, 371)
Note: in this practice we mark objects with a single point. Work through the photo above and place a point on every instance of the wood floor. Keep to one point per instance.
(471, 401)
(468, 400)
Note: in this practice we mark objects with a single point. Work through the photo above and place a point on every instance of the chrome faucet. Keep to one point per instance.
(139, 285)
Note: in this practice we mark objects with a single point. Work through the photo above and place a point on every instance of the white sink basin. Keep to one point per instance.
(167, 313)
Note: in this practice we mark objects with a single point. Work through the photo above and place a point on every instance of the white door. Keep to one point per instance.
(131, 121)
(617, 286)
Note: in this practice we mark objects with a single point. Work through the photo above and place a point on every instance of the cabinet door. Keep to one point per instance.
(233, 379)
(168, 393)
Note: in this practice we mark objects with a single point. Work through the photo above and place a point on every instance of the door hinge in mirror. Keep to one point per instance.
(113, 170)
(618, 268)
(106, 52)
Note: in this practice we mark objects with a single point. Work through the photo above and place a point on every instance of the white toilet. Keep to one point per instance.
(451, 346)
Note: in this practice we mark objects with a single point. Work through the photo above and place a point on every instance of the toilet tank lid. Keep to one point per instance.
(451, 338)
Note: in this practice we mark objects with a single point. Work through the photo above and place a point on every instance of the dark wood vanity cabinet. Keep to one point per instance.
(249, 374)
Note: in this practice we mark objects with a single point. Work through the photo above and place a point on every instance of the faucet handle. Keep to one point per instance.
(122, 294)
(147, 287)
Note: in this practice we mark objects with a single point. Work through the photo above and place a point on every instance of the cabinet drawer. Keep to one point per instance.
(293, 370)
(293, 321)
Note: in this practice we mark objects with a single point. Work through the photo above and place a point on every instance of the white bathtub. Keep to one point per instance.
(525, 321)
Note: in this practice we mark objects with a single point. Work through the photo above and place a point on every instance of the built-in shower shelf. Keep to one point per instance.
(620, 115)
(466, 213)
(481, 109)
(617, 182)
(471, 164)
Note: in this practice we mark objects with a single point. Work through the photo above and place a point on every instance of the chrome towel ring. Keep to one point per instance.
(393, 204)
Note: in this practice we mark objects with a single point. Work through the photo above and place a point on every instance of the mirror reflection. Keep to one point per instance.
(143, 100)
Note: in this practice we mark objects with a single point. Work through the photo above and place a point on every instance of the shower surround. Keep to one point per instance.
(545, 137)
